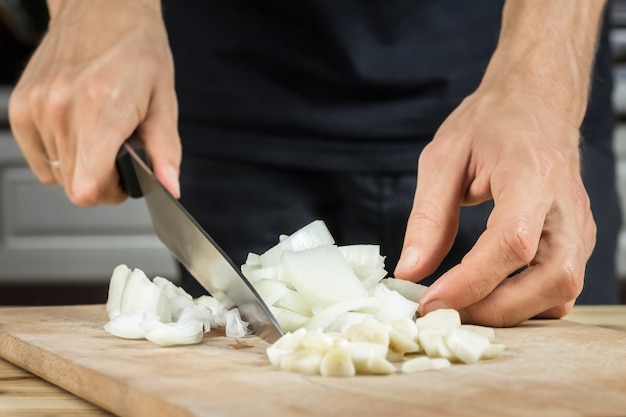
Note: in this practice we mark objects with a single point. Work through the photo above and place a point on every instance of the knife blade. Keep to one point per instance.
(191, 244)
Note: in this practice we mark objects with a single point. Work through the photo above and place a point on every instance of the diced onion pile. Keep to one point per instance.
(162, 312)
(434, 341)
(343, 316)
(341, 313)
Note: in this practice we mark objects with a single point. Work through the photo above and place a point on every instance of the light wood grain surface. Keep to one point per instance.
(610, 317)
(23, 394)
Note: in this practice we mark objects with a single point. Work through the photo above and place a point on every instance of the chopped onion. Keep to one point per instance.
(322, 275)
(329, 314)
(127, 326)
(337, 361)
(393, 306)
(235, 327)
(349, 317)
(179, 333)
(408, 289)
(141, 295)
(311, 236)
(162, 312)
(289, 320)
(116, 289)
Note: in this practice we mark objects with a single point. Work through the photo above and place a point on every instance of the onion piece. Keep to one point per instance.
(408, 289)
(310, 236)
(466, 345)
(345, 320)
(197, 313)
(235, 327)
(379, 366)
(429, 340)
(162, 312)
(179, 299)
(493, 351)
(370, 331)
(424, 363)
(446, 318)
(118, 281)
(318, 340)
(286, 344)
(305, 361)
(325, 317)
(270, 291)
(289, 321)
(370, 358)
(393, 306)
(400, 343)
(218, 311)
(296, 302)
(487, 332)
(366, 262)
(171, 334)
(127, 326)
(141, 295)
(337, 362)
(322, 275)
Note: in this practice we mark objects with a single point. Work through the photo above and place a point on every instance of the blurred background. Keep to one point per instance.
(52, 252)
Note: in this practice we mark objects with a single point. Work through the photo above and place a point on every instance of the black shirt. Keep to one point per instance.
(336, 84)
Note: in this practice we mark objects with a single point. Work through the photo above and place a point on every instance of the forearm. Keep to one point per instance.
(547, 48)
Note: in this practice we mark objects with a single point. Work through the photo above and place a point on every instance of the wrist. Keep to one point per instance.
(55, 6)
(545, 53)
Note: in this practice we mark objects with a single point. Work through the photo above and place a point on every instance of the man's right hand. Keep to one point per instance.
(103, 70)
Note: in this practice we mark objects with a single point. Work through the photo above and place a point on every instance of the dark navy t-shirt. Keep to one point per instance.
(332, 84)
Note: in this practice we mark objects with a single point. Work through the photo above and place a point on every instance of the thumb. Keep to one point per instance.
(159, 131)
(433, 222)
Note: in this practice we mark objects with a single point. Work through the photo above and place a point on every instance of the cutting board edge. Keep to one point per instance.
(18, 353)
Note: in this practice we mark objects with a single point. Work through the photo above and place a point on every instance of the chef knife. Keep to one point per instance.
(191, 244)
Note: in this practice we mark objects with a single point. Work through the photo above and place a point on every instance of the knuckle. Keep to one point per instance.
(85, 195)
(477, 289)
(18, 110)
(569, 282)
(83, 199)
(426, 215)
(517, 244)
(96, 89)
(55, 99)
(434, 153)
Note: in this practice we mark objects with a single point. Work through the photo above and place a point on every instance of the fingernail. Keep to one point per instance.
(172, 179)
(408, 259)
(434, 305)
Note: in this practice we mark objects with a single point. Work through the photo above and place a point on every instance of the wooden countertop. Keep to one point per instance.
(23, 394)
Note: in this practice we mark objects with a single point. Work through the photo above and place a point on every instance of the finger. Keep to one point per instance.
(546, 290)
(509, 242)
(549, 286)
(557, 312)
(53, 160)
(28, 139)
(434, 218)
(95, 180)
(159, 131)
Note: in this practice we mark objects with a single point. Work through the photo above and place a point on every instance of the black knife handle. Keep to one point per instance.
(126, 170)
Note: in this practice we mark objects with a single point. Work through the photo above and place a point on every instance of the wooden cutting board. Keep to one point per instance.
(550, 368)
